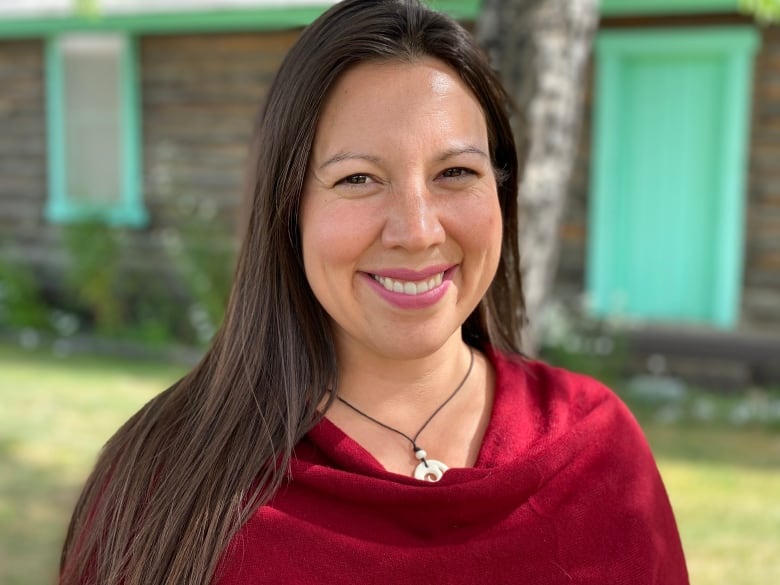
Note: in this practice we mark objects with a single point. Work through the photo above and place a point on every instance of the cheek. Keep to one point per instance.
(317, 243)
(497, 229)
(484, 228)
(332, 237)
(494, 238)
(311, 234)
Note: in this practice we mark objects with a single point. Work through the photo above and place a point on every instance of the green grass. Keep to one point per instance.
(729, 518)
(55, 413)
(724, 485)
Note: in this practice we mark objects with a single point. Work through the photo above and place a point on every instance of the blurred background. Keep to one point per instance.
(124, 134)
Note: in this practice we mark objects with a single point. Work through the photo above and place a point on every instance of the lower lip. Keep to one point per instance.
(404, 301)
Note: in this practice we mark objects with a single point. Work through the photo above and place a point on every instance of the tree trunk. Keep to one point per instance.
(540, 48)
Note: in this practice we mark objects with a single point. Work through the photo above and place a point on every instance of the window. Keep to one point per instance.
(93, 130)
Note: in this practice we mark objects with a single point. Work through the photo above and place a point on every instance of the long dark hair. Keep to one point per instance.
(177, 481)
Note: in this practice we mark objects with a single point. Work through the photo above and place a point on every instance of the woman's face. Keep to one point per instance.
(400, 220)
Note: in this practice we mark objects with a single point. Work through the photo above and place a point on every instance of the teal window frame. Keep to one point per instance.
(614, 49)
(63, 207)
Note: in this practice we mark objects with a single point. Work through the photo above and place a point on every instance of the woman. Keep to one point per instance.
(364, 414)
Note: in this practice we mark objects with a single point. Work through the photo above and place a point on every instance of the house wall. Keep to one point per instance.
(570, 278)
(760, 303)
(200, 95)
(24, 233)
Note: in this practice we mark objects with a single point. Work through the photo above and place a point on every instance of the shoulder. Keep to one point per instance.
(570, 419)
(548, 405)
(551, 388)
(598, 480)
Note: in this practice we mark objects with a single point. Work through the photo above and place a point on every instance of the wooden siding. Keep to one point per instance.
(200, 94)
(570, 279)
(200, 98)
(761, 301)
(24, 234)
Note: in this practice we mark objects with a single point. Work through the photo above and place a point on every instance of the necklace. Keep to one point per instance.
(427, 469)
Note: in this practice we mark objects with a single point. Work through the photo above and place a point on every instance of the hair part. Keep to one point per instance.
(177, 481)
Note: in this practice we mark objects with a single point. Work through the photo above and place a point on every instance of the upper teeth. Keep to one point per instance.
(407, 287)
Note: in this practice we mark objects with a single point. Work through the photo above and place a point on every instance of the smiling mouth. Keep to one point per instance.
(409, 287)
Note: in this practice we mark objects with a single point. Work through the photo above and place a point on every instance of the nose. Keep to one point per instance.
(413, 220)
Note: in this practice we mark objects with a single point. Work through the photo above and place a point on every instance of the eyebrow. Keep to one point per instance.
(467, 149)
(447, 154)
(342, 156)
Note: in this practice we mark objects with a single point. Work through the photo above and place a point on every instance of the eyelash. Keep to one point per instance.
(350, 180)
(362, 179)
(462, 171)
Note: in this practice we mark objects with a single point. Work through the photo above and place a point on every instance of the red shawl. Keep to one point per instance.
(564, 490)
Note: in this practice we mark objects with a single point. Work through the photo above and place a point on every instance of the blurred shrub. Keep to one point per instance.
(180, 298)
(205, 265)
(21, 303)
(763, 10)
(94, 254)
(571, 338)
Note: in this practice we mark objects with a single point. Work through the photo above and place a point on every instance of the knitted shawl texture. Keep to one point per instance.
(564, 490)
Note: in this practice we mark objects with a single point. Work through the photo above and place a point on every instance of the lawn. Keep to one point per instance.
(725, 489)
(724, 482)
(55, 413)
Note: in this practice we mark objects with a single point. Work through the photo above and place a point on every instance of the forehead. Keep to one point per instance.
(390, 96)
(381, 74)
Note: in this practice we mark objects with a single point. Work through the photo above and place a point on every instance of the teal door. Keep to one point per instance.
(667, 193)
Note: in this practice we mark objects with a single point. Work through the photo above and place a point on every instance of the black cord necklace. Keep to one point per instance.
(428, 469)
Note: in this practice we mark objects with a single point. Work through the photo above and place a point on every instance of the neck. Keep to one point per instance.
(404, 395)
(403, 390)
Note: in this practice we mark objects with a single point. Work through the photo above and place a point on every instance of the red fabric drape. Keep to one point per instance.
(564, 490)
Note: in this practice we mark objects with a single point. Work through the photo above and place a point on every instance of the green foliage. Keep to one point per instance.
(156, 309)
(106, 290)
(664, 400)
(206, 268)
(572, 339)
(764, 10)
(87, 8)
(21, 305)
(185, 305)
(93, 277)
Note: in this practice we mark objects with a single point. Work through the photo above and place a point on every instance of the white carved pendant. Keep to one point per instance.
(428, 469)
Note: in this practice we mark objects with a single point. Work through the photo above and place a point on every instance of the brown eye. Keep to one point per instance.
(355, 180)
(456, 172)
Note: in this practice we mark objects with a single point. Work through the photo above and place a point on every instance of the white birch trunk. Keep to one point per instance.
(540, 48)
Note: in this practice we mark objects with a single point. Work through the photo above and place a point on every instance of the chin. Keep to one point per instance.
(410, 349)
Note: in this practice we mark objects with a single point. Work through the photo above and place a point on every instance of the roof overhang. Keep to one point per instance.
(37, 18)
